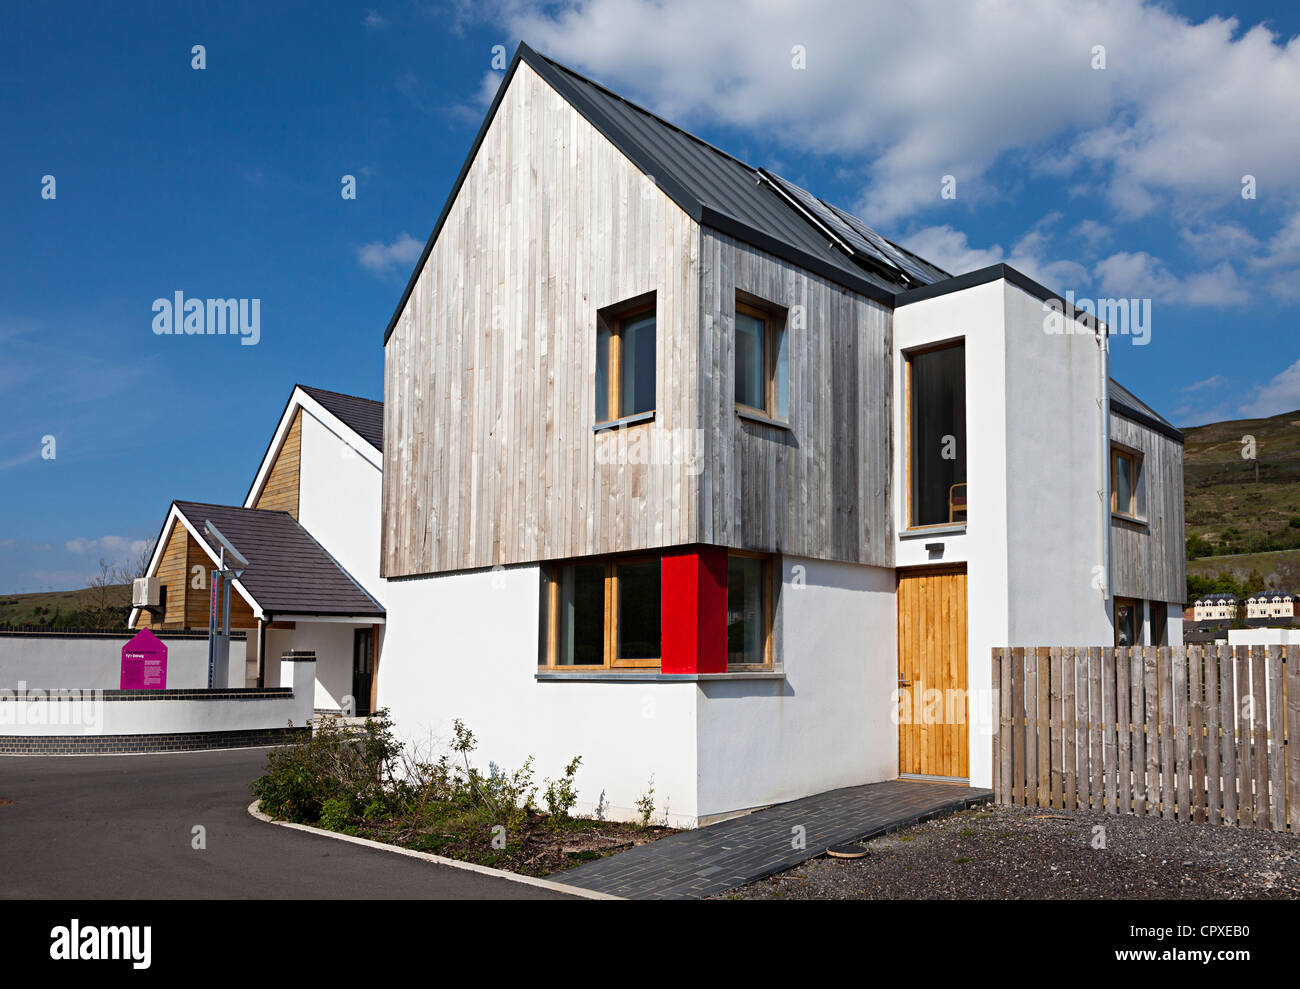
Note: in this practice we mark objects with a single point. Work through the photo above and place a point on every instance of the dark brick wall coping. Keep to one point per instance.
(187, 694)
(170, 742)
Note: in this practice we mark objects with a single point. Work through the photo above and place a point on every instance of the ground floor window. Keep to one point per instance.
(749, 611)
(601, 613)
(1126, 622)
(1159, 623)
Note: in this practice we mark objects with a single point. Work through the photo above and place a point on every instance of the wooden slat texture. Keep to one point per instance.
(1259, 733)
(1178, 704)
(1083, 698)
(1187, 733)
(1123, 735)
(1151, 691)
(1058, 800)
(1213, 743)
(1137, 715)
(1069, 729)
(1044, 727)
(1019, 733)
(1196, 727)
(1108, 752)
(1245, 762)
(1292, 687)
(1276, 737)
(1097, 784)
(1166, 732)
(1142, 565)
(280, 489)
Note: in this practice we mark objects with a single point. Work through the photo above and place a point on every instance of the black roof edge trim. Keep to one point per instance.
(322, 614)
(729, 225)
(1142, 419)
(992, 273)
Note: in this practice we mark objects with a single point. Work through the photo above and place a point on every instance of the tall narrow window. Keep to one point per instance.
(1126, 622)
(581, 618)
(1127, 487)
(762, 363)
(936, 441)
(749, 612)
(625, 365)
(637, 627)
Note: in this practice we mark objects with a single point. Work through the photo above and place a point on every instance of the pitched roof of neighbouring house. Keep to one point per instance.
(1125, 403)
(364, 416)
(288, 573)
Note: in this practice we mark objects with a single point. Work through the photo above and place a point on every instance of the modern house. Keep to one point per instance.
(693, 474)
(309, 528)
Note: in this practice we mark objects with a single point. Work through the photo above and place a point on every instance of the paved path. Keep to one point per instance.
(119, 827)
(711, 860)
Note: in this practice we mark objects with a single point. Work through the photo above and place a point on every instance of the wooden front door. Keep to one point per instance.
(933, 729)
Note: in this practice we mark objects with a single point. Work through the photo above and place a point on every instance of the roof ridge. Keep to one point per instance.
(340, 394)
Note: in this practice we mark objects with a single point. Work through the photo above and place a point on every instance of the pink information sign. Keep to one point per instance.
(144, 662)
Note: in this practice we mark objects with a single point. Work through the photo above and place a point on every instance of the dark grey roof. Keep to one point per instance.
(365, 416)
(1125, 403)
(714, 188)
(289, 573)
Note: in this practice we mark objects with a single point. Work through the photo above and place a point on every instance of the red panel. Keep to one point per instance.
(694, 615)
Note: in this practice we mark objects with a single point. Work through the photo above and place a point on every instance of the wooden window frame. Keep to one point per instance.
(771, 347)
(907, 434)
(1135, 458)
(769, 613)
(615, 321)
(609, 650)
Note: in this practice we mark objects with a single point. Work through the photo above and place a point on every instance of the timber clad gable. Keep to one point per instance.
(280, 492)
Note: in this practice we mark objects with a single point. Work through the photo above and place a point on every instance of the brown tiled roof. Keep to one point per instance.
(364, 416)
(289, 572)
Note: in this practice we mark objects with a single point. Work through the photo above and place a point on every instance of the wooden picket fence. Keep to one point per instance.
(1193, 733)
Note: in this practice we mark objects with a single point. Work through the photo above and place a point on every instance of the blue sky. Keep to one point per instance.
(225, 182)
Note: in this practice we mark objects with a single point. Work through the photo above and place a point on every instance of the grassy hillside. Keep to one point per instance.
(87, 608)
(1238, 506)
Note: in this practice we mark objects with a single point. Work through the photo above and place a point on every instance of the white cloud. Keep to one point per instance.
(1137, 274)
(1281, 394)
(383, 258)
(115, 545)
(1213, 382)
(951, 250)
(911, 92)
(374, 21)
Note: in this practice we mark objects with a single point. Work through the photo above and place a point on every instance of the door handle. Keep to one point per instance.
(904, 683)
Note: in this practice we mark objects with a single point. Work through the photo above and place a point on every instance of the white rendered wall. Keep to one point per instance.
(828, 724)
(465, 646)
(338, 503)
(332, 643)
(976, 315)
(93, 663)
(1055, 464)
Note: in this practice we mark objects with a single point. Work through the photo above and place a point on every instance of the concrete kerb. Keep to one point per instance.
(436, 859)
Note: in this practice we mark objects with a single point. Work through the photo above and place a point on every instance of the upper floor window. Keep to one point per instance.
(625, 362)
(762, 362)
(936, 435)
(1127, 485)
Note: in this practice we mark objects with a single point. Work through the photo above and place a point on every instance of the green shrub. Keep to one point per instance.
(335, 816)
(337, 762)
(561, 794)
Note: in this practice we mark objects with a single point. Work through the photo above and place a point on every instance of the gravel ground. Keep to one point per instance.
(1007, 853)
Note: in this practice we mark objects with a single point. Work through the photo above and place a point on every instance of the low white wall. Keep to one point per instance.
(91, 712)
(828, 724)
(92, 662)
(465, 646)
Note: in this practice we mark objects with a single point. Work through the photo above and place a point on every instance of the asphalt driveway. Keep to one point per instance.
(121, 827)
